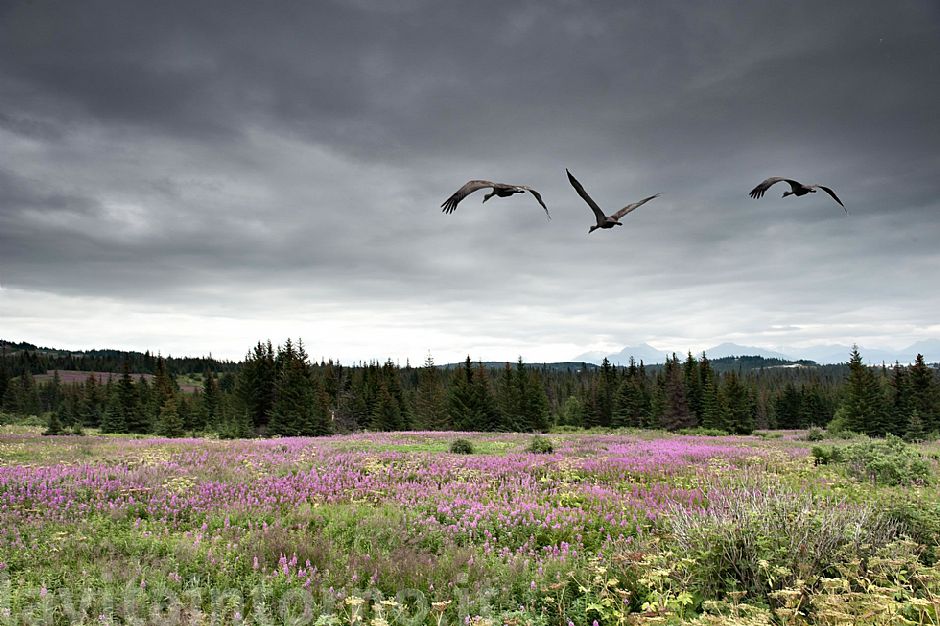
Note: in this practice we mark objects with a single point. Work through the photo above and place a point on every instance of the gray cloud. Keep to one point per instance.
(282, 170)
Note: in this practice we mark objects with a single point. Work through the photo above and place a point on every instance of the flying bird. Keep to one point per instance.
(499, 189)
(796, 189)
(604, 221)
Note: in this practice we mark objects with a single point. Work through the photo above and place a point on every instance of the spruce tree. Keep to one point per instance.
(925, 392)
(211, 400)
(136, 420)
(91, 404)
(606, 388)
(534, 402)
(390, 376)
(483, 400)
(22, 396)
(292, 411)
(470, 402)
(386, 416)
(915, 427)
(592, 406)
(509, 399)
(676, 414)
(460, 400)
(53, 423)
(900, 406)
(113, 419)
(170, 424)
(5, 374)
(430, 399)
(631, 402)
(712, 411)
(787, 408)
(254, 384)
(51, 394)
(815, 410)
(862, 403)
(321, 417)
(739, 405)
(693, 386)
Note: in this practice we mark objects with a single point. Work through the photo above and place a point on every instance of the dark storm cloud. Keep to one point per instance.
(198, 155)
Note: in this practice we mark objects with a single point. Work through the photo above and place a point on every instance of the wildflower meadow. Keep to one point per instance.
(382, 529)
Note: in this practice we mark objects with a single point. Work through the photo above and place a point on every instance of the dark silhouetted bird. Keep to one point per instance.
(796, 189)
(499, 189)
(604, 221)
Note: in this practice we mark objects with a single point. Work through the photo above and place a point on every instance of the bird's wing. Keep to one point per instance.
(762, 188)
(601, 218)
(538, 197)
(450, 204)
(630, 207)
(834, 197)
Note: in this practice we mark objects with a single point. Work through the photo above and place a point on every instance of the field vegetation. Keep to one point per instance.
(626, 527)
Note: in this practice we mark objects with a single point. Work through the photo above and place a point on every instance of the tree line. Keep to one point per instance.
(281, 391)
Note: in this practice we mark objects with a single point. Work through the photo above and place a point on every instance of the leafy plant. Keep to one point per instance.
(887, 461)
(760, 538)
(815, 434)
(540, 445)
(461, 446)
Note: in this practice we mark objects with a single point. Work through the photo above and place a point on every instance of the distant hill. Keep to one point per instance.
(555, 366)
(71, 377)
(39, 360)
(721, 365)
(825, 354)
(732, 349)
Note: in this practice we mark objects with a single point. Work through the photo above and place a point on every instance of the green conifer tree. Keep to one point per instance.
(925, 392)
(712, 410)
(53, 423)
(431, 399)
(113, 419)
(136, 419)
(211, 400)
(787, 408)
(693, 386)
(254, 384)
(862, 403)
(292, 411)
(386, 416)
(739, 404)
(91, 404)
(170, 424)
(815, 409)
(675, 413)
(900, 405)
(510, 400)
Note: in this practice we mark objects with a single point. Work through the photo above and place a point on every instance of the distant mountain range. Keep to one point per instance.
(832, 353)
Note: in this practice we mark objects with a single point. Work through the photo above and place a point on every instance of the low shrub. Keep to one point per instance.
(761, 538)
(815, 433)
(887, 461)
(461, 446)
(540, 445)
(704, 432)
(566, 429)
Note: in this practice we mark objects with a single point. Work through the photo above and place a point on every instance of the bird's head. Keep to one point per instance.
(592, 229)
(786, 193)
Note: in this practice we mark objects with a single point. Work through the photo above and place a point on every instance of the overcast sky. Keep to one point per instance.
(192, 177)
